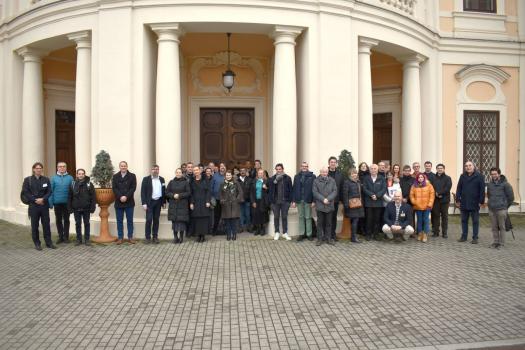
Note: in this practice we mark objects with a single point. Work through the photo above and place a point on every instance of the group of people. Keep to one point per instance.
(380, 201)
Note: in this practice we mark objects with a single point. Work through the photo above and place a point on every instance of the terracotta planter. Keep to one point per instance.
(346, 230)
(105, 197)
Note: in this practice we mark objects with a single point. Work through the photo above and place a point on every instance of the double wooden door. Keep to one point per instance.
(65, 139)
(227, 135)
(382, 137)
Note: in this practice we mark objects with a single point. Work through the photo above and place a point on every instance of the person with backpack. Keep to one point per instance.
(82, 203)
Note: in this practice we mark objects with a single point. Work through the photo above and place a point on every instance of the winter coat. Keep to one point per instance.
(216, 183)
(324, 187)
(442, 185)
(406, 183)
(430, 177)
(82, 196)
(370, 188)
(302, 190)
(264, 203)
(231, 197)
(60, 187)
(34, 188)
(178, 209)
(405, 215)
(422, 197)
(339, 181)
(200, 195)
(352, 189)
(124, 186)
(245, 185)
(146, 190)
(362, 175)
(470, 191)
(500, 194)
(287, 189)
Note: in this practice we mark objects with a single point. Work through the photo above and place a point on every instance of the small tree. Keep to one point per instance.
(346, 162)
(102, 172)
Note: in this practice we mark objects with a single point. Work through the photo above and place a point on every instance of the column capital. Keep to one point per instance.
(365, 44)
(285, 34)
(168, 31)
(82, 39)
(411, 61)
(31, 54)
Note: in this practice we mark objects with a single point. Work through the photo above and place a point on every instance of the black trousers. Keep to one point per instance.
(40, 213)
(440, 213)
(79, 217)
(374, 220)
(217, 218)
(62, 220)
(324, 225)
(333, 219)
(152, 218)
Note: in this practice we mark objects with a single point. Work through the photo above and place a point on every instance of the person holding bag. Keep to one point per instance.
(82, 203)
(352, 202)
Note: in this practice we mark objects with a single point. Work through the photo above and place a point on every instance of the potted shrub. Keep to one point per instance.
(101, 176)
(345, 163)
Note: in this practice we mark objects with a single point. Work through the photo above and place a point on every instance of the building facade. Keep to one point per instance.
(397, 80)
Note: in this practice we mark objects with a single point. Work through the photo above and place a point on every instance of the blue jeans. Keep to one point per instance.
(464, 223)
(245, 213)
(423, 221)
(120, 221)
(355, 227)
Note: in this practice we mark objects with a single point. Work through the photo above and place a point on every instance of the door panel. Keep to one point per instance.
(382, 137)
(65, 139)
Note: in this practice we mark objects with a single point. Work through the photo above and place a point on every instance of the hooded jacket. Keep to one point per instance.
(500, 194)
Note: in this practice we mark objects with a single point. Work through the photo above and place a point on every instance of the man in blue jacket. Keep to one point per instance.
(398, 218)
(60, 187)
(470, 195)
(280, 196)
(303, 199)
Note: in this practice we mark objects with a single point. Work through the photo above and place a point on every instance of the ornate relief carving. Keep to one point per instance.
(403, 5)
(221, 59)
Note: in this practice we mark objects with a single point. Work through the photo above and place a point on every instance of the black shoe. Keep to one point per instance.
(235, 236)
(228, 237)
(474, 241)
(181, 237)
(368, 237)
(311, 238)
(435, 235)
(77, 243)
(38, 247)
(156, 240)
(147, 241)
(202, 239)
(66, 240)
(301, 238)
(176, 240)
(445, 235)
(331, 242)
(87, 243)
(319, 242)
(355, 240)
(51, 246)
(60, 240)
(462, 239)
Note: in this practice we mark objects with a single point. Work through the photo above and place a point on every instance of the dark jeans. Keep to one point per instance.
(216, 217)
(333, 224)
(355, 226)
(245, 213)
(280, 211)
(40, 213)
(374, 220)
(440, 213)
(324, 225)
(152, 216)
(62, 220)
(465, 214)
(120, 221)
(79, 217)
(231, 226)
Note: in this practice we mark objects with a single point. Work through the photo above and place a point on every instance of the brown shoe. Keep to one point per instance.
(420, 236)
(425, 238)
(119, 241)
(131, 241)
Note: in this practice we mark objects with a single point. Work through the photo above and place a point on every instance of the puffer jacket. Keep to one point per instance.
(422, 197)
(500, 194)
(60, 187)
(82, 196)
(178, 209)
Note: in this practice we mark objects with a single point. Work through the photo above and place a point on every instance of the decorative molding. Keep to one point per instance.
(407, 6)
(221, 59)
(482, 70)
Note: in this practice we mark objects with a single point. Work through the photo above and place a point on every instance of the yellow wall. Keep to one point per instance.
(511, 90)
(60, 65)
(386, 71)
(450, 89)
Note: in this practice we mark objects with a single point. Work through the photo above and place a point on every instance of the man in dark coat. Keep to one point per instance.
(152, 197)
(246, 183)
(470, 194)
(442, 184)
(36, 190)
(500, 198)
(428, 172)
(398, 218)
(374, 189)
(124, 184)
(82, 202)
(302, 199)
(325, 193)
(280, 196)
(339, 182)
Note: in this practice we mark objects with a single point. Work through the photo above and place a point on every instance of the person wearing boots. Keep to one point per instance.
(152, 195)
(259, 201)
(325, 193)
(231, 197)
(178, 193)
(82, 202)
(200, 204)
(353, 203)
(422, 197)
(303, 200)
(36, 190)
(60, 188)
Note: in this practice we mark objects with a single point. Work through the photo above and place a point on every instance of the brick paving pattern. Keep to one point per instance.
(259, 294)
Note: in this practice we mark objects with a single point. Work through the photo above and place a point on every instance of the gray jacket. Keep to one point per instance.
(324, 187)
(500, 194)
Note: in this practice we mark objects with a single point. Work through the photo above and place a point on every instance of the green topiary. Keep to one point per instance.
(346, 162)
(102, 172)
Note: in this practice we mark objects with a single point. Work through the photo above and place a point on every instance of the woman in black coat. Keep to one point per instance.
(231, 196)
(259, 202)
(352, 189)
(200, 204)
(82, 203)
(178, 193)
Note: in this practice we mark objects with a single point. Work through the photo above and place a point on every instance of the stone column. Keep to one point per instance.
(284, 123)
(83, 101)
(32, 109)
(168, 144)
(411, 114)
(366, 111)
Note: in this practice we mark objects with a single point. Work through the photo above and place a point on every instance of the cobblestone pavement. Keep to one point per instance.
(261, 294)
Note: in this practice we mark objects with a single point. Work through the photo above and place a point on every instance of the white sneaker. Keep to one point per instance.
(276, 236)
(288, 238)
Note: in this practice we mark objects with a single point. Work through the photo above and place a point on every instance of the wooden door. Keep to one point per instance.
(382, 137)
(227, 135)
(65, 139)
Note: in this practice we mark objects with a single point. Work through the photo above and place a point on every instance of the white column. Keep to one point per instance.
(168, 143)
(32, 109)
(83, 101)
(411, 106)
(365, 105)
(284, 123)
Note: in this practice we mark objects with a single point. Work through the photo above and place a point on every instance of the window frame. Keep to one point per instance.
(494, 10)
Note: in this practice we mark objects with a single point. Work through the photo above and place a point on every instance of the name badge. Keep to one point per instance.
(402, 215)
(44, 185)
(163, 185)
